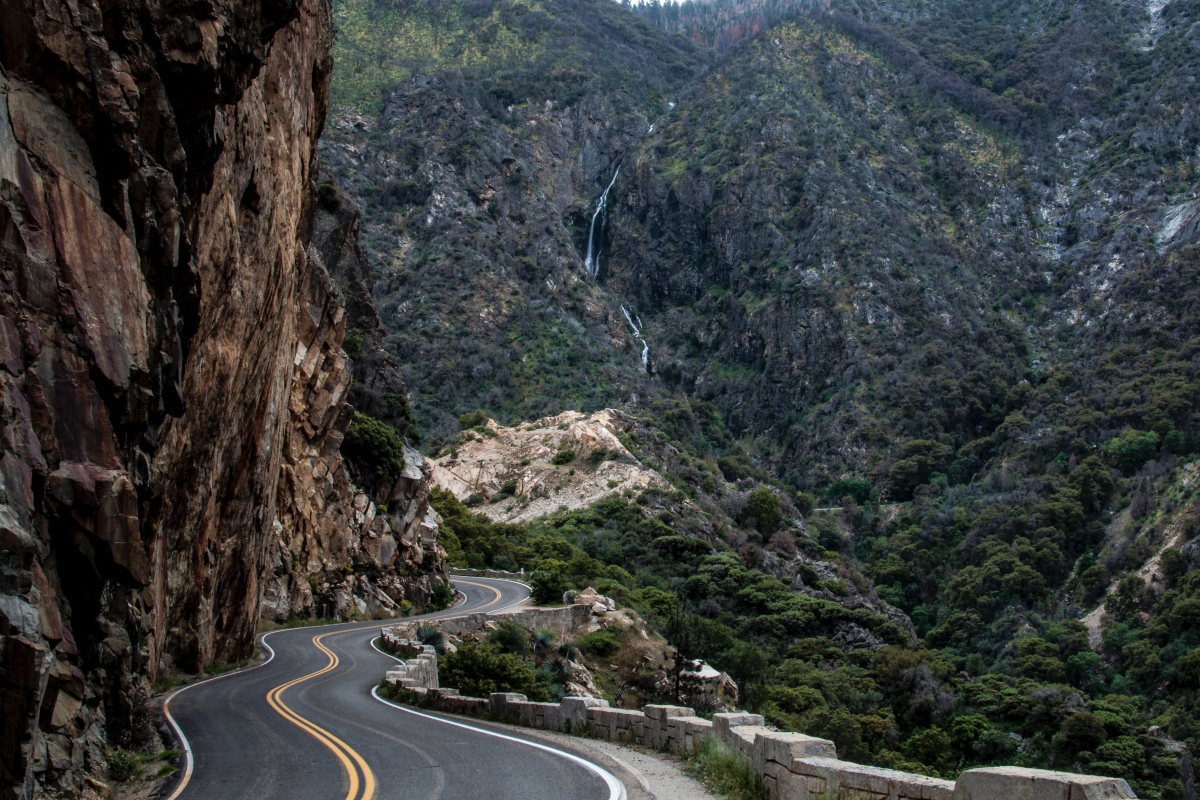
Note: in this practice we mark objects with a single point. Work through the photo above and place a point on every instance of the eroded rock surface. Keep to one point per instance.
(341, 550)
(594, 464)
(168, 351)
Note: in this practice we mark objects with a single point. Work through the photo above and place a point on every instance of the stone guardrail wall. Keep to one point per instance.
(563, 620)
(418, 664)
(488, 573)
(793, 766)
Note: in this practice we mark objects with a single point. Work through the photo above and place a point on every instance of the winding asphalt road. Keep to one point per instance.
(305, 725)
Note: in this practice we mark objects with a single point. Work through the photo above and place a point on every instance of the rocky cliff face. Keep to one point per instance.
(341, 550)
(169, 350)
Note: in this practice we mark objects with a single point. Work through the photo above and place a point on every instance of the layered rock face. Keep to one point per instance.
(340, 550)
(167, 351)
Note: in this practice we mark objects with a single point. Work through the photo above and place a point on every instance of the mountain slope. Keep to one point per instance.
(478, 180)
(932, 262)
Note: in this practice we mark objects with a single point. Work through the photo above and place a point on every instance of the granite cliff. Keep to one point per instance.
(173, 387)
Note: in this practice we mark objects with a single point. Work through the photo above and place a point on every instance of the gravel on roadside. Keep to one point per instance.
(647, 774)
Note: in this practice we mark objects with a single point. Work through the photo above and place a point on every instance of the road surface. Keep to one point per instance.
(304, 725)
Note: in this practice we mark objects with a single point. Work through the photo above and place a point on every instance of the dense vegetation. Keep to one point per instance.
(931, 264)
(991, 577)
(502, 52)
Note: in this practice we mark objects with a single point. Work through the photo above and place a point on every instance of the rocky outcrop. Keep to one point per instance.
(528, 471)
(156, 164)
(338, 551)
(378, 388)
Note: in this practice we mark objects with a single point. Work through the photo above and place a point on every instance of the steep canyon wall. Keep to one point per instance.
(172, 386)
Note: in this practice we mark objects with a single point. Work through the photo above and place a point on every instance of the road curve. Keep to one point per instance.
(304, 725)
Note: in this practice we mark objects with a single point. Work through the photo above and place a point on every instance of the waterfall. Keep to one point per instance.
(636, 331)
(592, 262)
(637, 334)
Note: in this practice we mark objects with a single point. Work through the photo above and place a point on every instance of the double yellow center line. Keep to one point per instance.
(362, 780)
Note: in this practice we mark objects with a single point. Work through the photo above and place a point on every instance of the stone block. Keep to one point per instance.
(722, 723)
(575, 710)
(1018, 783)
(823, 777)
(538, 714)
(626, 717)
(695, 732)
(553, 717)
(783, 748)
(500, 703)
(741, 741)
(660, 713)
(782, 784)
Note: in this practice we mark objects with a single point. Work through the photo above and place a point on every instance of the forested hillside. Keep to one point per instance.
(930, 264)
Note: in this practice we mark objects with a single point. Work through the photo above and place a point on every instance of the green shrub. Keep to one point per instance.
(123, 766)
(432, 636)
(804, 502)
(918, 462)
(443, 595)
(353, 343)
(563, 457)
(510, 637)
(401, 417)
(855, 488)
(327, 194)
(543, 640)
(1083, 731)
(1131, 449)
(1187, 671)
(478, 670)
(473, 419)
(549, 586)
(726, 773)
(731, 468)
(375, 449)
(598, 643)
(763, 507)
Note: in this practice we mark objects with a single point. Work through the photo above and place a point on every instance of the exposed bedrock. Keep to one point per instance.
(172, 386)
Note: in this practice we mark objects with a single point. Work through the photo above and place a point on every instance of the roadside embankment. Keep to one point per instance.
(792, 766)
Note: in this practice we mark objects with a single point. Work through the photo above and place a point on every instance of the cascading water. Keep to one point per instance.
(636, 331)
(637, 334)
(592, 262)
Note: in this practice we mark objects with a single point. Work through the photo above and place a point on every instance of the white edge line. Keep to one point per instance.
(187, 747)
(495, 610)
(633, 771)
(616, 789)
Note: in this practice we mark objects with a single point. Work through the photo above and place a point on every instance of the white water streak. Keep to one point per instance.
(636, 331)
(637, 334)
(592, 262)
